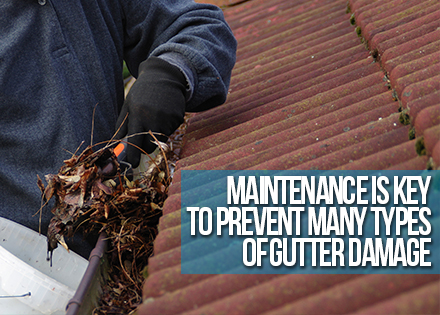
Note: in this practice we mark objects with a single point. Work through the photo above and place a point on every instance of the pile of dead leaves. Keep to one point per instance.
(93, 194)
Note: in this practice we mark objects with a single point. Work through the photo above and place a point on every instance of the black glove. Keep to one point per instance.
(156, 102)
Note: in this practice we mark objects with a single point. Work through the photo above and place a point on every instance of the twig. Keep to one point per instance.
(164, 156)
(93, 124)
(119, 254)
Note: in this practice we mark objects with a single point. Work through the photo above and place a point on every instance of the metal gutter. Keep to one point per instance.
(87, 295)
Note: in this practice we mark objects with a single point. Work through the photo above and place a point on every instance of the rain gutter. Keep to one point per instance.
(87, 295)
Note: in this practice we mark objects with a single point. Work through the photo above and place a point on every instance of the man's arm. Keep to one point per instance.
(182, 54)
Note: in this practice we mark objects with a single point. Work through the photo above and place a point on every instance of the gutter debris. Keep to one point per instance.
(92, 194)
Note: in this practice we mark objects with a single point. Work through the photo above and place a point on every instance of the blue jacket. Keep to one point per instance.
(60, 58)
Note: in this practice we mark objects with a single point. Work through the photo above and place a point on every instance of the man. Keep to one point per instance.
(59, 59)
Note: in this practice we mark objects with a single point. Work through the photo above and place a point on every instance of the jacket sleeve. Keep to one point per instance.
(194, 36)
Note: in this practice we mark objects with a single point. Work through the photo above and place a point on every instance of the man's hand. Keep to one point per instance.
(156, 102)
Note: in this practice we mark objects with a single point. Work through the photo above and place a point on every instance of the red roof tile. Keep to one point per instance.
(417, 105)
(421, 300)
(363, 291)
(427, 118)
(306, 94)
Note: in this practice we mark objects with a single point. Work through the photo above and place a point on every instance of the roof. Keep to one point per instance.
(317, 85)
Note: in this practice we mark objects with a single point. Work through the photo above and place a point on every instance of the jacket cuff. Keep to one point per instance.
(179, 61)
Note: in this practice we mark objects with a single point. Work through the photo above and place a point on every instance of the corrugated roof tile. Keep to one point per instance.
(407, 73)
(170, 239)
(416, 163)
(167, 280)
(405, 32)
(355, 152)
(431, 138)
(306, 94)
(427, 118)
(257, 299)
(286, 129)
(420, 89)
(436, 155)
(417, 105)
(276, 114)
(167, 259)
(428, 74)
(204, 291)
(402, 12)
(430, 45)
(313, 125)
(400, 156)
(422, 300)
(362, 292)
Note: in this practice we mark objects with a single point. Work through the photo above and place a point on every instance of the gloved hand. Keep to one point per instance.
(156, 102)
